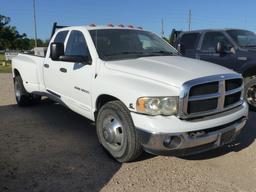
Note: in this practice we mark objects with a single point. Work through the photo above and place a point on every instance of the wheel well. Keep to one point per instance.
(16, 73)
(102, 100)
(250, 72)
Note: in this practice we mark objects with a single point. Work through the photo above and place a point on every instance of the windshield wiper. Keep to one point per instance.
(250, 46)
(161, 53)
(126, 53)
(137, 54)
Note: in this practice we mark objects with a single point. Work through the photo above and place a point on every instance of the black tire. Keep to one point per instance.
(24, 98)
(129, 148)
(250, 92)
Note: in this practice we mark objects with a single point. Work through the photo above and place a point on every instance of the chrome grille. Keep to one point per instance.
(210, 95)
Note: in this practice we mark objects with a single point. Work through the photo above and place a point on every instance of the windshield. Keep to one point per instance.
(243, 38)
(115, 44)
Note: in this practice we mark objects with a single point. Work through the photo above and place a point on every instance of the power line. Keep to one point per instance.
(189, 19)
(162, 27)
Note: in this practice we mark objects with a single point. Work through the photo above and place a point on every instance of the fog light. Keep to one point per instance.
(172, 142)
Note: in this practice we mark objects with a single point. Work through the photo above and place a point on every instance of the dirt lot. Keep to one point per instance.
(49, 148)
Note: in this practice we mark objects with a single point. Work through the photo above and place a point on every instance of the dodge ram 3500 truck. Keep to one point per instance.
(138, 90)
(231, 48)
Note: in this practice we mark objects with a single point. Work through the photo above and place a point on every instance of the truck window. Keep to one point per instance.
(189, 40)
(212, 38)
(115, 44)
(60, 37)
(145, 41)
(76, 45)
(243, 38)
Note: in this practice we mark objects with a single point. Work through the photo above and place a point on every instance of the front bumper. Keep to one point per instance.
(194, 140)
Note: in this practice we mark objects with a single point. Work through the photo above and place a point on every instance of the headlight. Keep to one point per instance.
(157, 105)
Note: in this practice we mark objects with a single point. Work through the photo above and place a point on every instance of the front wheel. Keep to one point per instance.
(116, 132)
(24, 98)
(250, 91)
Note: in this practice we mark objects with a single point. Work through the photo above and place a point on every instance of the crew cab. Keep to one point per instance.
(231, 48)
(139, 91)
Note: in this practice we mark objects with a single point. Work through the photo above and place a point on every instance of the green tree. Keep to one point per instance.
(4, 21)
(10, 38)
(8, 34)
(4, 32)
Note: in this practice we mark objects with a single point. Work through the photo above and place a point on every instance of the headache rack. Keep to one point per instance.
(55, 27)
(210, 95)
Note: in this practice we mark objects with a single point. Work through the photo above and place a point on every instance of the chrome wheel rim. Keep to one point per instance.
(251, 95)
(113, 132)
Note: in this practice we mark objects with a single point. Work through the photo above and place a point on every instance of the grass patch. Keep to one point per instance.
(8, 67)
(5, 69)
(2, 57)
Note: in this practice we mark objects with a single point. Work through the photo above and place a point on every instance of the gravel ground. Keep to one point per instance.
(49, 148)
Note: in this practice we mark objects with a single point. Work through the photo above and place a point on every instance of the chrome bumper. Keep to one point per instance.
(191, 142)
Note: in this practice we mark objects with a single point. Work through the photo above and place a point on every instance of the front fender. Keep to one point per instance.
(248, 68)
(128, 88)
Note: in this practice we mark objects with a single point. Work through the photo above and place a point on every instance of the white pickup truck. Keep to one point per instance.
(139, 91)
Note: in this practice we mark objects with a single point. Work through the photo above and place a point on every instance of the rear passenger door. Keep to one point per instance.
(189, 42)
(51, 69)
(208, 50)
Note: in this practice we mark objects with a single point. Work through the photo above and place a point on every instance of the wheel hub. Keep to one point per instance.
(251, 95)
(113, 131)
(109, 134)
(17, 91)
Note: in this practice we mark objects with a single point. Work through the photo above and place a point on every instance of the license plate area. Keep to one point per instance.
(227, 137)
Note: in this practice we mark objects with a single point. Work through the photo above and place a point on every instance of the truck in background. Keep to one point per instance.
(231, 48)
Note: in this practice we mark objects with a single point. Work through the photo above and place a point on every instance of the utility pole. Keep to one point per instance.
(162, 28)
(189, 19)
(35, 30)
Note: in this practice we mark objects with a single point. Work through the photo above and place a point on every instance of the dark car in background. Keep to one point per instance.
(231, 48)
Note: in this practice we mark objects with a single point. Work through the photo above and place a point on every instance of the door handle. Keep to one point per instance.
(46, 65)
(63, 70)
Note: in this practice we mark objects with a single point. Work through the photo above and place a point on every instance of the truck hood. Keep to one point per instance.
(172, 70)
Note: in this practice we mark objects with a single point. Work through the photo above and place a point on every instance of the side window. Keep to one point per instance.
(189, 40)
(60, 37)
(176, 42)
(76, 45)
(211, 40)
(149, 43)
(146, 43)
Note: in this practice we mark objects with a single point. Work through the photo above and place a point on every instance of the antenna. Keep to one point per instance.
(35, 30)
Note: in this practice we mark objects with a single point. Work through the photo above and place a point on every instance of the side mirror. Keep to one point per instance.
(56, 50)
(181, 48)
(220, 48)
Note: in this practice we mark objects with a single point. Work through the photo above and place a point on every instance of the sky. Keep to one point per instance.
(145, 13)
